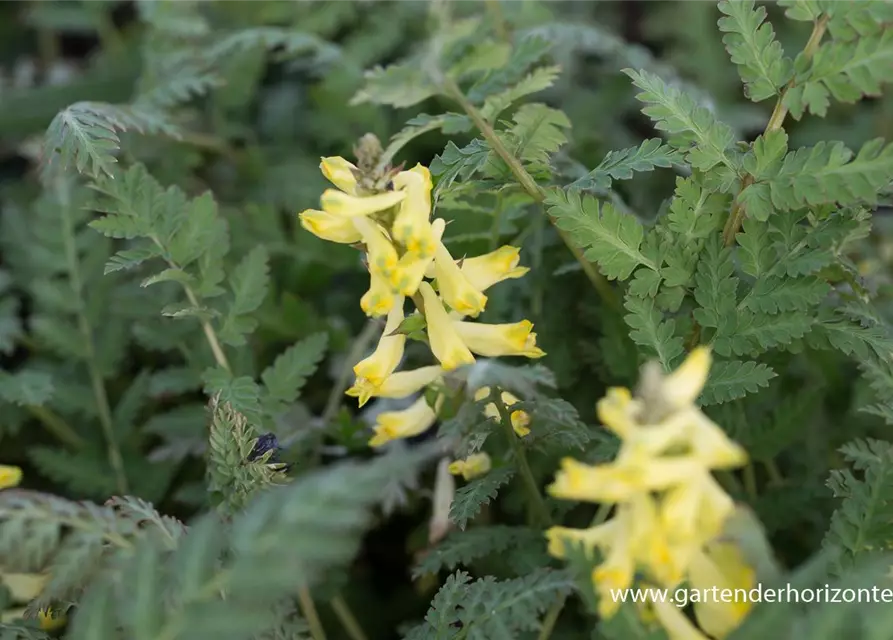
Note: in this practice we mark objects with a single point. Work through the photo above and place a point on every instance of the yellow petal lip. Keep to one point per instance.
(395, 425)
(329, 226)
(340, 173)
(684, 385)
(10, 476)
(445, 342)
(344, 204)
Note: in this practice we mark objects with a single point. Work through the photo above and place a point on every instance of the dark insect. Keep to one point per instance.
(266, 442)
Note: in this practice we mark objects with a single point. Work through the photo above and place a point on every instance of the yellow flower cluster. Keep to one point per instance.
(404, 251)
(25, 586)
(669, 509)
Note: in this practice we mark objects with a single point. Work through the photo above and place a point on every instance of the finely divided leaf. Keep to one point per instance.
(249, 283)
(691, 127)
(620, 165)
(609, 238)
(828, 173)
(286, 376)
(731, 379)
(752, 45)
(469, 499)
(651, 331)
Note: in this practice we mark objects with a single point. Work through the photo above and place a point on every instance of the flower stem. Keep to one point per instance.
(776, 120)
(537, 504)
(57, 426)
(103, 409)
(530, 186)
(348, 621)
(308, 610)
(550, 619)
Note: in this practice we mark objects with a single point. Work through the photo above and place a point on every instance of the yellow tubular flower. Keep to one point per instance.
(560, 538)
(616, 411)
(520, 419)
(455, 289)
(398, 385)
(675, 623)
(49, 620)
(486, 270)
(329, 226)
(340, 173)
(9, 476)
(343, 204)
(723, 567)
(446, 344)
(394, 425)
(495, 340)
(473, 466)
(379, 300)
(684, 385)
(411, 269)
(372, 372)
(381, 254)
(412, 226)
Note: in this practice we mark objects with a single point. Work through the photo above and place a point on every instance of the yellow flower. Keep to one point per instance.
(412, 226)
(9, 476)
(520, 419)
(398, 385)
(340, 173)
(379, 300)
(393, 425)
(410, 270)
(49, 620)
(372, 372)
(344, 204)
(682, 387)
(598, 536)
(721, 566)
(696, 510)
(473, 466)
(486, 270)
(617, 411)
(446, 344)
(455, 289)
(621, 480)
(381, 254)
(495, 340)
(329, 226)
(675, 623)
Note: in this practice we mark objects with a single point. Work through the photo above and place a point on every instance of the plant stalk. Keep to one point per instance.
(96, 381)
(348, 621)
(537, 504)
(531, 187)
(776, 120)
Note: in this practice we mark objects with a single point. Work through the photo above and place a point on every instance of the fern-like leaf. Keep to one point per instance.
(752, 45)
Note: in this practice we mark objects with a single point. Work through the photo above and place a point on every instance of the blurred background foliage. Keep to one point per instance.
(90, 344)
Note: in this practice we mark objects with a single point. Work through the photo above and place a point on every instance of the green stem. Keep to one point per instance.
(495, 11)
(348, 621)
(531, 187)
(774, 472)
(537, 504)
(57, 426)
(308, 610)
(776, 120)
(550, 619)
(86, 331)
(750, 481)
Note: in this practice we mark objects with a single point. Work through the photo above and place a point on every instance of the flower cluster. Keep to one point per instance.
(669, 511)
(25, 586)
(406, 258)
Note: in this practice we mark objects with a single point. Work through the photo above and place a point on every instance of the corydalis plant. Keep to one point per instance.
(403, 248)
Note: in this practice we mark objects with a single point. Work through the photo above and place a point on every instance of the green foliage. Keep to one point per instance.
(174, 341)
(488, 608)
